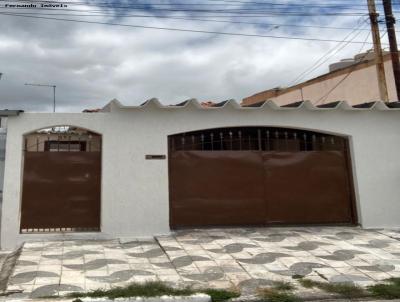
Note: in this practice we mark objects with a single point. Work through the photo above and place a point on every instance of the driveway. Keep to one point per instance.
(222, 258)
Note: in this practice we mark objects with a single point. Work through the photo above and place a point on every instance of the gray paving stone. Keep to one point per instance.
(301, 269)
(307, 246)
(376, 243)
(250, 286)
(72, 254)
(53, 289)
(233, 248)
(94, 264)
(29, 276)
(186, 260)
(264, 258)
(121, 276)
(348, 278)
(210, 274)
(342, 255)
(377, 268)
(149, 254)
(26, 263)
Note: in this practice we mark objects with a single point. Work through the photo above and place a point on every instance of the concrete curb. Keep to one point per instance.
(192, 298)
(8, 268)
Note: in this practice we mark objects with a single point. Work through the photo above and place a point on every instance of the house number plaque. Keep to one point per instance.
(155, 156)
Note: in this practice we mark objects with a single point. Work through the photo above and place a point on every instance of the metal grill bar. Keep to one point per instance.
(37, 144)
(256, 138)
(59, 230)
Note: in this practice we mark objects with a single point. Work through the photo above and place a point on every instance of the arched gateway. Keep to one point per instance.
(61, 180)
(259, 176)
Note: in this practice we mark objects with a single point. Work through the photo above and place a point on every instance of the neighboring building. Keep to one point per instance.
(351, 80)
(158, 168)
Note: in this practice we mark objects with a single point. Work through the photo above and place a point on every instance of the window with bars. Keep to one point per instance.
(64, 146)
(62, 139)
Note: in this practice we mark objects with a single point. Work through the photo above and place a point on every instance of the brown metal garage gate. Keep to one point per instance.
(61, 185)
(259, 176)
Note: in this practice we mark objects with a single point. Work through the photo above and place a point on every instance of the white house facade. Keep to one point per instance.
(146, 181)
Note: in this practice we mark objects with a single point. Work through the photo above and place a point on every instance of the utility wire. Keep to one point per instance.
(322, 60)
(255, 10)
(181, 29)
(331, 3)
(217, 13)
(194, 19)
(101, 13)
(157, 14)
(251, 12)
(224, 3)
(184, 18)
(319, 3)
(347, 75)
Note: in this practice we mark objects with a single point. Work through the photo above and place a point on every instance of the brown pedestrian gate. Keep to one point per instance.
(61, 185)
(259, 176)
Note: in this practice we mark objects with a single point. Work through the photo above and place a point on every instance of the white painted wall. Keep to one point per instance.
(2, 157)
(135, 190)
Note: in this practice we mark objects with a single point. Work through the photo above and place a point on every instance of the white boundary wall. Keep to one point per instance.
(2, 157)
(134, 195)
(3, 134)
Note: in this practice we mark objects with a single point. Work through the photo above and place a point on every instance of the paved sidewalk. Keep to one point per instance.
(221, 258)
(7, 263)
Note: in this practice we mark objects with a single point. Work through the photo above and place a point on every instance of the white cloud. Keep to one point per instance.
(91, 64)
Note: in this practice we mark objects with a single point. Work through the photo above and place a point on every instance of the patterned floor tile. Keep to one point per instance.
(243, 257)
(46, 280)
(53, 290)
(378, 276)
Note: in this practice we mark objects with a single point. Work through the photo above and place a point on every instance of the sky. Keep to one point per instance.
(92, 64)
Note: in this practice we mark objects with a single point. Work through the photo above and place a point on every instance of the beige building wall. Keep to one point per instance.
(355, 84)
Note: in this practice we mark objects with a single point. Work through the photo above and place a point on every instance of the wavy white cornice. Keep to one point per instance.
(155, 104)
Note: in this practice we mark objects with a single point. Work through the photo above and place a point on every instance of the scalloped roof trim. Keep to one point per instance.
(154, 103)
